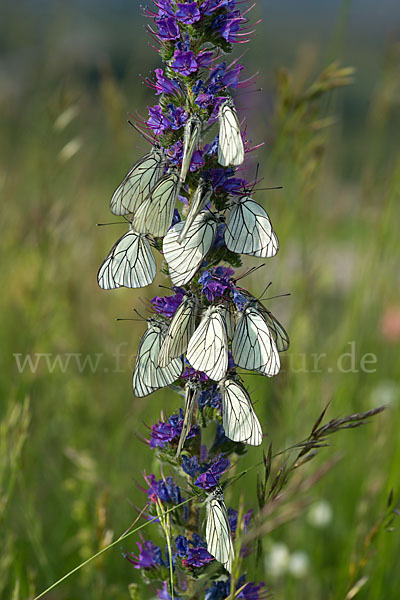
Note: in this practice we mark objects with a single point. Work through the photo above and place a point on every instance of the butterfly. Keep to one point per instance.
(192, 392)
(253, 343)
(185, 259)
(136, 185)
(191, 137)
(218, 531)
(239, 420)
(249, 230)
(230, 144)
(130, 263)
(180, 330)
(208, 346)
(155, 214)
(148, 376)
(201, 197)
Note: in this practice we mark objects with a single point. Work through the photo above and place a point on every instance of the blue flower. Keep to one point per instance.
(211, 397)
(162, 434)
(197, 557)
(209, 479)
(188, 13)
(157, 121)
(166, 490)
(197, 160)
(228, 25)
(217, 591)
(182, 546)
(150, 556)
(184, 63)
(164, 85)
(239, 299)
(177, 116)
(190, 465)
(167, 305)
(167, 28)
(216, 282)
(176, 218)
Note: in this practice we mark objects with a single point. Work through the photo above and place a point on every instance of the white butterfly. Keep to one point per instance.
(180, 330)
(137, 184)
(185, 259)
(208, 346)
(201, 197)
(249, 230)
(239, 420)
(230, 144)
(155, 214)
(148, 376)
(253, 344)
(192, 392)
(130, 263)
(218, 531)
(191, 138)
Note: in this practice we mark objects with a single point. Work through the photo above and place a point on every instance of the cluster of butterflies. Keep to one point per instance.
(255, 336)
(146, 198)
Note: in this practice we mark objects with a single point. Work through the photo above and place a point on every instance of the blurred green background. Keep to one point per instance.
(69, 455)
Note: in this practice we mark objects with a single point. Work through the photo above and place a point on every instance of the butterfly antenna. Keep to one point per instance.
(145, 136)
(249, 272)
(111, 223)
(268, 286)
(273, 297)
(138, 313)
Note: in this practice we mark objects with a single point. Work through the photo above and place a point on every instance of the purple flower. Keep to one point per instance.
(149, 556)
(209, 479)
(204, 100)
(176, 218)
(215, 282)
(233, 519)
(239, 299)
(228, 25)
(189, 373)
(190, 465)
(197, 160)
(197, 557)
(188, 13)
(164, 85)
(167, 28)
(157, 121)
(220, 437)
(252, 591)
(204, 59)
(221, 77)
(163, 593)
(162, 434)
(218, 591)
(166, 490)
(184, 62)
(167, 305)
(211, 397)
(175, 152)
(182, 546)
(208, 7)
(177, 116)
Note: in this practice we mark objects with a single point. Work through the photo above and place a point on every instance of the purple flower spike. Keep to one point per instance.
(184, 63)
(210, 478)
(188, 13)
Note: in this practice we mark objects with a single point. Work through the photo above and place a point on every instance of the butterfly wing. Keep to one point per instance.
(249, 230)
(185, 259)
(239, 420)
(230, 145)
(130, 263)
(148, 374)
(137, 184)
(277, 330)
(190, 141)
(218, 531)
(191, 396)
(201, 197)
(208, 346)
(180, 331)
(155, 214)
(253, 346)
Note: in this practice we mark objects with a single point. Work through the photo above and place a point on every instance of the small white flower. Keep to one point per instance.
(277, 560)
(298, 564)
(320, 514)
